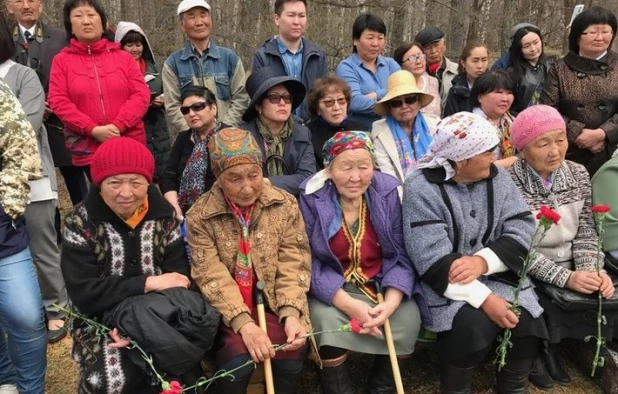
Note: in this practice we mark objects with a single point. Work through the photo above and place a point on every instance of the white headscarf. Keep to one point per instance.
(459, 137)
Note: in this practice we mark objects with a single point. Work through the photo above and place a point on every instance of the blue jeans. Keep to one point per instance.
(23, 340)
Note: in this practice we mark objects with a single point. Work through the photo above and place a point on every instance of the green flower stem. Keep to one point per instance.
(505, 339)
(103, 330)
(598, 361)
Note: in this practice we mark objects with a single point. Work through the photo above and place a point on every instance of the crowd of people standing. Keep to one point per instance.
(411, 177)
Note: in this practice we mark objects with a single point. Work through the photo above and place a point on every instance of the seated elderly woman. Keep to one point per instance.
(403, 137)
(187, 173)
(492, 97)
(285, 144)
(467, 230)
(123, 245)
(242, 231)
(329, 98)
(568, 253)
(353, 216)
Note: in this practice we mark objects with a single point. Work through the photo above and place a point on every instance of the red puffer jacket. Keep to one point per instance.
(94, 85)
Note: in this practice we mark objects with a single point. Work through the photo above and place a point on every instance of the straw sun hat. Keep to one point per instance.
(401, 83)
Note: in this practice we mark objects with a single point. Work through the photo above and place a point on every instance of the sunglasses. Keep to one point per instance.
(330, 102)
(275, 98)
(196, 107)
(399, 102)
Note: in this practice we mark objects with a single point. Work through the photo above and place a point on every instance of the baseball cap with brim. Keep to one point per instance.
(401, 83)
(428, 35)
(265, 78)
(186, 5)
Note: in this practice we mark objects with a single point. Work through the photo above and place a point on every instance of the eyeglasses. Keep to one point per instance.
(275, 98)
(328, 103)
(399, 102)
(196, 107)
(598, 33)
(414, 58)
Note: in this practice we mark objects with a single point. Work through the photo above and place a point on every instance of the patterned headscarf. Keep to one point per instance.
(231, 147)
(344, 140)
(341, 141)
(459, 137)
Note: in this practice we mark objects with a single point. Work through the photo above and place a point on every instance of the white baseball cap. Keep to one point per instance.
(186, 5)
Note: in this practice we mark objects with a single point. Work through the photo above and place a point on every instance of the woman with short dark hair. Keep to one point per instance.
(95, 88)
(492, 97)
(328, 101)
(366, 70)
(583, 87)
(410, 57)
(188, 173)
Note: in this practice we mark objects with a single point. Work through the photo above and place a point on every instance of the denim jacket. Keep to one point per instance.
(219, 69)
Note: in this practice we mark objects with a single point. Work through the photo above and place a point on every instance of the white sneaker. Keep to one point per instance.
(8, 389)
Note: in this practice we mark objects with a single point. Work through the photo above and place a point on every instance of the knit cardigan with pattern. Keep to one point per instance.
(104, 261)
(572, 244)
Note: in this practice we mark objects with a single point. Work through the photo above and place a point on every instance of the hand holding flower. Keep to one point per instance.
(607, 286)
(119, 342)
(296, 332)
(498, 311)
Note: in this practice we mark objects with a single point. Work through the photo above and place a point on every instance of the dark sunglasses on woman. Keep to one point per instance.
(196, 107)
(275, 98)
(399, 102)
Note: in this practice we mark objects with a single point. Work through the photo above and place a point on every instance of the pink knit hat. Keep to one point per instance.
(533, 122)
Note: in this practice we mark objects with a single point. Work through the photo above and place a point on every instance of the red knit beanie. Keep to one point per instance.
(121, 155)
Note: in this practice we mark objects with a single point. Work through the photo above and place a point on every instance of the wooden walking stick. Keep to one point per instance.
(268, 368)
(390, 344)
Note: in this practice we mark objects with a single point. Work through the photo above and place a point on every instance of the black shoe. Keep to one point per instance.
(54, 336)
(552, 362)
(381, 380)
(539, 376)
(336, 379)
(454, 380)
(513, 377)
(286, 382)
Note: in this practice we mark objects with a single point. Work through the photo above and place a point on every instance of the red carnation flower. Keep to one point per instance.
(600, 209)
(550, 216)
(174, 388)
(355, 325)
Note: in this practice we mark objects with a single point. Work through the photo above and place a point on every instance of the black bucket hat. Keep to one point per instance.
(261, 80)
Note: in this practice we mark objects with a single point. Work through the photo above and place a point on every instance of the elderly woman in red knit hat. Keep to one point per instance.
(568, 253)
(122, 241)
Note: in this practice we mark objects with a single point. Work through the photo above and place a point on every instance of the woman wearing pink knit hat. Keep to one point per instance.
(568, 253)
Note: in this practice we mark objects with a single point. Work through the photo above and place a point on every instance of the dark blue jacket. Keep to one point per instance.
(502, 63)
(314, 65)
(297, 155)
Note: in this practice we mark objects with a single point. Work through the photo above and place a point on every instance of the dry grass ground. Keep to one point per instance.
(420, 372)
